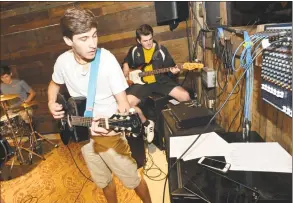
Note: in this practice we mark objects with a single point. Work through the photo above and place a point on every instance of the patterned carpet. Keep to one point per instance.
(57, 179)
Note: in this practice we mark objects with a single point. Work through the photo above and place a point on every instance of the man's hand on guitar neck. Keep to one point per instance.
(96, 130)
(175, 70)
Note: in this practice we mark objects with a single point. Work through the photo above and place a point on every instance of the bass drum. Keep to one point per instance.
(5, 150)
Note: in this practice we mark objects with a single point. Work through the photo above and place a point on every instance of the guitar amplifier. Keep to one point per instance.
(188, 115)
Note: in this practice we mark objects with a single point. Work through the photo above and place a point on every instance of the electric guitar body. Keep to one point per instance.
(134, 75)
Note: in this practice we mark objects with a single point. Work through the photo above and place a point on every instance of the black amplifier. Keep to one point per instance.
(188, 115)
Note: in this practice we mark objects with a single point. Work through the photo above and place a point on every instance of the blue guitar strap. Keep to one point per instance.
(92, 85)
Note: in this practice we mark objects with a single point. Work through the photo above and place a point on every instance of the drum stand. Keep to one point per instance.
(33, 137)
(18, 148)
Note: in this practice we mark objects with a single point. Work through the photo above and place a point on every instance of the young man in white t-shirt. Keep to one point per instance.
(107, 152)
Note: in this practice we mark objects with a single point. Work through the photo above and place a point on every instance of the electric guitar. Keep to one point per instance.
(75, 127)
(136, 75)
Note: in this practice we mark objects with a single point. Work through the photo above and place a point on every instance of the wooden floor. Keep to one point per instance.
(57, 179)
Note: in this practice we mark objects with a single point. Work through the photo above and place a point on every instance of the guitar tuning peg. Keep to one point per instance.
(128, 118)
(116, 129)
(115, 118)
(131, 110)
(134, 135)
(129, 128)
(121, 117)
(122, 128)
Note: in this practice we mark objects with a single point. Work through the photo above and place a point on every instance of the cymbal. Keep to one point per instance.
(5, 97)
(27, 105)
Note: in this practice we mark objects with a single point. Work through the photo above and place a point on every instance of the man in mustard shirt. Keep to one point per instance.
(152, 56)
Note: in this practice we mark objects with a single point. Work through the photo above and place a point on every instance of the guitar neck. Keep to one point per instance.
(154, 72)
(86, 122)
(186, 66)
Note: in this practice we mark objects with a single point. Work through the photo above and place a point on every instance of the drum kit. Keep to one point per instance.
(13, 126)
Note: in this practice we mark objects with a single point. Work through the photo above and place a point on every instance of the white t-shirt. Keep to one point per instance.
(110, 80)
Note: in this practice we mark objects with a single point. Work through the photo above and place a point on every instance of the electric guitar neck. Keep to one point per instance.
(87, 122)
(184, 66)
(136, 75)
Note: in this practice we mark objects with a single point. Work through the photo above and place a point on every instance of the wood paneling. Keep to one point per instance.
(52, 41)
(126, 20)
(163, 36)
(19, 8)
(31, 39)
(42, 18)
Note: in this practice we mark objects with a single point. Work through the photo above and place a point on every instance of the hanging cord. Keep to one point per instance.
(209, 123)
(152, 166)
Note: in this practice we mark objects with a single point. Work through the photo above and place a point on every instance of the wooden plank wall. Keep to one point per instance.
(270, 123)
(31, 38)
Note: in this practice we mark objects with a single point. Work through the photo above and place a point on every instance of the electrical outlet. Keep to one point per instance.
(209, 77)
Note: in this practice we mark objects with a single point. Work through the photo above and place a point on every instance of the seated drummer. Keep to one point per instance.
(15, 86)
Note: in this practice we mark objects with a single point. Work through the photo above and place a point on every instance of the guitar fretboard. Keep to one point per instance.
(147, 73)
(187, 66)
(86, 122)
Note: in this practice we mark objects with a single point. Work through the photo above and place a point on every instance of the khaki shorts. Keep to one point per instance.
(104, 155)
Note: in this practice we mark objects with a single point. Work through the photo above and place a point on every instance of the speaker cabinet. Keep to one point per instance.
(248, 13)
(213, 18)
(169, 12)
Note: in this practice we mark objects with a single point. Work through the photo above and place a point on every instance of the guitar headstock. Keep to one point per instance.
(126, 123)
(191, 66)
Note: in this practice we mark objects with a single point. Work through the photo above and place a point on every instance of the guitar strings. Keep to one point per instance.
(89, 120)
